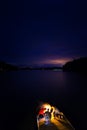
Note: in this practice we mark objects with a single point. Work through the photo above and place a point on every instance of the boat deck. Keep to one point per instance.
(52, 119)
(57, 124)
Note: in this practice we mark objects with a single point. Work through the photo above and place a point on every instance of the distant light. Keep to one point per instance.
(57, 70)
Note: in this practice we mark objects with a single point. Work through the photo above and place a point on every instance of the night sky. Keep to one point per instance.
(42, 32)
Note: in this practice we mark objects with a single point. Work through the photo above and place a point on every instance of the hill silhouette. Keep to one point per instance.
(7, 67)
(77, 65)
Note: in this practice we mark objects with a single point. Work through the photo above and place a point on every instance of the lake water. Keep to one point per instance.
(22, 91)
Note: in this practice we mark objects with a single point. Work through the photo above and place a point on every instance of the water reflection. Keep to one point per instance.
(21, 91)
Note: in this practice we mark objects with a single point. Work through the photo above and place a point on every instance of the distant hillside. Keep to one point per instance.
(7, 67)
(41, 68)
(77, 65)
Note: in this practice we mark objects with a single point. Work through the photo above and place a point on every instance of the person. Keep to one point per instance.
(42, 110)
(54, 113)
(51, 110)
(47, 115)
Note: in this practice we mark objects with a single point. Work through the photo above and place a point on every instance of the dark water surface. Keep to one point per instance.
(21, 91)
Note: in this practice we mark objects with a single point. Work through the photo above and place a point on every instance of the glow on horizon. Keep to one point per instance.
(58, 61)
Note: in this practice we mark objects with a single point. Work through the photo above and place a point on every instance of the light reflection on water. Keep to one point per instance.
(22, 91)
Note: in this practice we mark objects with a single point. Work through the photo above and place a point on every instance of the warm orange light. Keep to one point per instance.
(47, 106)
(58, 61)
